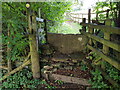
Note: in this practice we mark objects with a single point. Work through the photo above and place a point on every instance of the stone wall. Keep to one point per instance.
(67, 43)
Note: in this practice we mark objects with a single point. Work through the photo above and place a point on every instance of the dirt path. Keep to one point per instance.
(74, 25)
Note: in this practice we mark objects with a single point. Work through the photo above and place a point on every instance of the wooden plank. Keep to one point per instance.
(110, 60)
(108, 29)
(103, 41)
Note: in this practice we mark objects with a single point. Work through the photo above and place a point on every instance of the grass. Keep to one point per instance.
(67, 28)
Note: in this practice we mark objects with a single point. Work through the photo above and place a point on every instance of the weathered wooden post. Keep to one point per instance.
(45, 29)
(97, 16)
(33, 45)
(106, 37)
(90, 30)
(9, 62)
(34, 51)
(107, 14)
(89, 15)
(84, 21)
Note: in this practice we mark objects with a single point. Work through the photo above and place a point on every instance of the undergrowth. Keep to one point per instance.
(23, 79)
(98, 80)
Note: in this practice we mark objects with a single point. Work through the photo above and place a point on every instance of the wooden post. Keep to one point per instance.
(39, 28)
(90, 30)
(9, 62)
(84, 27)
(96, 16)
(89, 15)
(107, 14)
(107, 37)
(45, 29)
(33, 45)
(33, 50)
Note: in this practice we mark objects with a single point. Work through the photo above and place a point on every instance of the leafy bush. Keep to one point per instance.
(23, 79)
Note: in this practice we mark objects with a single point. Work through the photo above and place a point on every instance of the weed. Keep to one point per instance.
(59, 82)
(83, 67)
(97, 80)
(23, 79)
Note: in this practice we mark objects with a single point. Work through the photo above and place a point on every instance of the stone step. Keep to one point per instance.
(66, 79)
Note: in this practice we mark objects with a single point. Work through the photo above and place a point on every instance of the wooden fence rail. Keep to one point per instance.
(77, 17)
(107, 30)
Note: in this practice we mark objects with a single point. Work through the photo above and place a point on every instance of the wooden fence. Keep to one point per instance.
(107, 30)
(77, 17)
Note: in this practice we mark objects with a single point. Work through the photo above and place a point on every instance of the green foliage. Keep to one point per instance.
(83, 67)
(66, 28)
(97, 80)
(113, 14)
(15, 19)
(14, 24)
(59, 82)
(113, 72)
(23, 79)
(20, 80)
